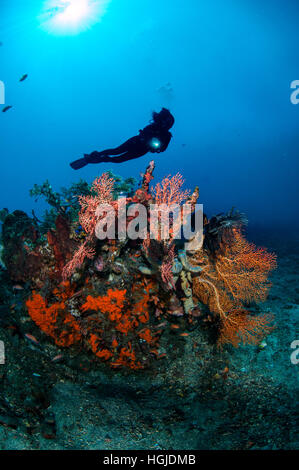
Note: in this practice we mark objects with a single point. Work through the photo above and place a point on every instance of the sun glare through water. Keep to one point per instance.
(71, 16)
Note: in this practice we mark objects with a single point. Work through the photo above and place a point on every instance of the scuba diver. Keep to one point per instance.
(153, 138)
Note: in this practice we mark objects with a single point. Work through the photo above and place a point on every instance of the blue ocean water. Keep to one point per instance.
(224, 70)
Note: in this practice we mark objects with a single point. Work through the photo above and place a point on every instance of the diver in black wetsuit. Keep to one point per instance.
(153, 138)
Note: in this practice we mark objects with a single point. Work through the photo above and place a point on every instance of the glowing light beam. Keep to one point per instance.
(155, 143)
(72, 16)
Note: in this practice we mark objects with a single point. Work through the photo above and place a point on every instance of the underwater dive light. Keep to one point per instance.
(155, 143)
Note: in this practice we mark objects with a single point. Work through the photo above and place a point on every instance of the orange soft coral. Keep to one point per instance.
(127, 358)
(112, 304)
(118, 324)
(54, 320)
(146, 335)
(101, 353)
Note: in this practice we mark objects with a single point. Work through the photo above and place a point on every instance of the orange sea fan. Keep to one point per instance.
(239, 326)
(244, 268)
(236, 275)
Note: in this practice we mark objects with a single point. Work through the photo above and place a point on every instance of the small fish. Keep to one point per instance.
(164, 323)
(36, 375)
(184, 334)
(23, 77)
(6, 108)
(57, 358)
(177, 313)
(18, 287)
(161, 356)
(249, 444)
(175, 327)
(31, 338)
(154, 351)
(11, 327)
(225, 373)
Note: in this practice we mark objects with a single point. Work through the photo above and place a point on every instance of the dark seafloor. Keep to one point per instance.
(244, 398)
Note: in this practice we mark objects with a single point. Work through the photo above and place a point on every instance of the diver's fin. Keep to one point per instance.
(78, 164)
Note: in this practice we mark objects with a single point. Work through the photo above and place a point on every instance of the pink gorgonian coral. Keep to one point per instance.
(76, 262)
(102, 193)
